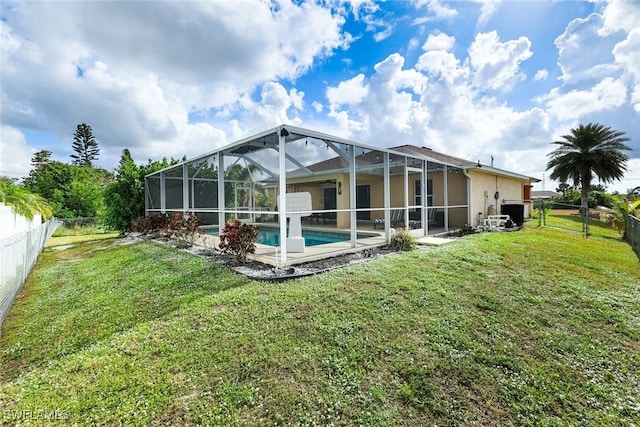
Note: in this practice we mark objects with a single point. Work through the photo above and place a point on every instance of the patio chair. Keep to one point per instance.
(431, 220)
(396, 216)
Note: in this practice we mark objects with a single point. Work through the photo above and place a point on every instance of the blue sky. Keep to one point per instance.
(473, 79)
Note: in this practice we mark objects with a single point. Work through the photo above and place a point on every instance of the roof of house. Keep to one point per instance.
(340, 163)
(428, 152)
(462, 163)
(545, 194)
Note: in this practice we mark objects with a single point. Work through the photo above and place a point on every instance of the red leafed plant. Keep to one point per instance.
(183, 228)
(239, 240)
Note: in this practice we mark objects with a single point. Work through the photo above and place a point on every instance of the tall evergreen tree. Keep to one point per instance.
(85, 146)
(39, 162)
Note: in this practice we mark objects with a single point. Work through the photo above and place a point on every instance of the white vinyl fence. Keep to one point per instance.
(18, 254)
(11, 223)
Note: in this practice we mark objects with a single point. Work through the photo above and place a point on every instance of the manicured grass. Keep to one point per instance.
(537, 327)
(79, 231)
(74, 239)
(573, 222)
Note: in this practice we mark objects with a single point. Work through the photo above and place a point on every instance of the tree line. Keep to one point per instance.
(79, 189)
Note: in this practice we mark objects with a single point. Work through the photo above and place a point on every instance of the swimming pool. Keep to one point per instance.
(270, 236)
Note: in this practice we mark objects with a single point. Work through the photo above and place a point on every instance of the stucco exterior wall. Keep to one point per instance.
(510, 190)
(484, 187)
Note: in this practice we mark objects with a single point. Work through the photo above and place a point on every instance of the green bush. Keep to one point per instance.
(125, 195)
(402, 240)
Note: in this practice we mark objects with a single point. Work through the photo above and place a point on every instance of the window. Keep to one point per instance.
(418, 192)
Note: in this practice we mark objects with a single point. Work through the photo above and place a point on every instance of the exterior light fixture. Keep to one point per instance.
(339, 187)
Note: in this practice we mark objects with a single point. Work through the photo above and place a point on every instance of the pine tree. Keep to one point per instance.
(85, 146)
(39, 163)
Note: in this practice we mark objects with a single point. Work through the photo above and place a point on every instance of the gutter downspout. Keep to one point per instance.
(469, 205)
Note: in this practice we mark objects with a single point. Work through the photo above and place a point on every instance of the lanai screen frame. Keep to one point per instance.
(277, 139)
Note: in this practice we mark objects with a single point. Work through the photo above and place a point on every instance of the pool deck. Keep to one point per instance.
(270, 255)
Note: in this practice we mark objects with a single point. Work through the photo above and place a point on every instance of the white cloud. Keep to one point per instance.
(541, 74)
(192, 76)
(138, 86)
(15, 161)
(435, 105)
(438, 62)
(631, 178)
(386, 105)
(362, 8)
(276, 106)
(626, 53)
(348, 92)
(439, 9)
(606, 95)
(582, 36)
(381, 28)
(318, 107)
(385, 33)
(487, 10)
(439, 41)
(496, 65)
(620, 15)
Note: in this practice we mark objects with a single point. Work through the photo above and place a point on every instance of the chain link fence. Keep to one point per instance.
(633, 233)
(18, 254)
(80, 222)
(570, 217)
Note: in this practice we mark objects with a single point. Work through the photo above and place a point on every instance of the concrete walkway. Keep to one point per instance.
(434, 241)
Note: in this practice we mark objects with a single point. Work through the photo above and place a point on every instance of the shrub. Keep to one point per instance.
(467, 229)
(149, 225)
(239, 240)
(184, 228)
(125, 195)
(402, 240)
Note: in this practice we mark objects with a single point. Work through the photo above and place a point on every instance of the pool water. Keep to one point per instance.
(270, 236)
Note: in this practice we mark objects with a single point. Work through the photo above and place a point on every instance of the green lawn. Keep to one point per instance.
(537, 327)
(71, 239)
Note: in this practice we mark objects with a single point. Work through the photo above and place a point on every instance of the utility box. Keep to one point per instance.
(515, 212)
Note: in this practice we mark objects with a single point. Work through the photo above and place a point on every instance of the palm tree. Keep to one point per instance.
(589, 150)
(622, 210)
(23, 201)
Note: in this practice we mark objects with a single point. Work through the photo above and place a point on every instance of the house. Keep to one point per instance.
(296, 181)
(544, 195)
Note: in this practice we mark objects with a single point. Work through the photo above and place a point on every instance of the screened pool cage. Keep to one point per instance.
(295, 182)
